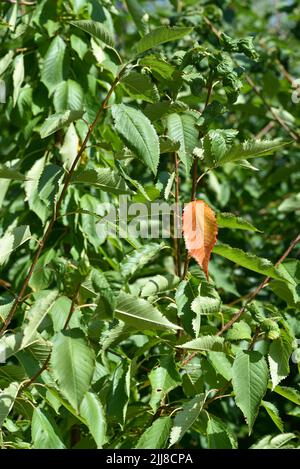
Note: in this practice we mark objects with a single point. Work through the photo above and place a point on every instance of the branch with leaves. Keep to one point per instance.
(57, 207)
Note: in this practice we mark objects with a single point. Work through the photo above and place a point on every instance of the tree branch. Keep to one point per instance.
(57, 207)
(176, 215)
(237, 316)
(252, 295)
(195, 172)
(37, 374)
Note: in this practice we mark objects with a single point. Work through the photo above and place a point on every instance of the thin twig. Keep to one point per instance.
(237, 316)
(67, 181)
(72, 308)
(37, 374)
(176, 221)
(249, 299)
(291, 133)
(285, 73)
(188, 359)
(195, 178)
(219, 394)
(254, 338)
(265, 130)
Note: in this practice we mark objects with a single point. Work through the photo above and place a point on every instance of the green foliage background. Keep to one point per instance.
(98, 351)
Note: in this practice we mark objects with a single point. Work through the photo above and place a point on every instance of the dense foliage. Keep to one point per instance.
(116, 338)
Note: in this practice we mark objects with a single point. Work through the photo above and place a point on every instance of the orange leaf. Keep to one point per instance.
(200, 232)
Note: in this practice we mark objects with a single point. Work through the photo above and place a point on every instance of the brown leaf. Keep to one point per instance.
(200, 232)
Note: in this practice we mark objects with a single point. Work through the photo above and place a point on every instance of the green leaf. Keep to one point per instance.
(95, 29)
(159, 36)
(10, 173)
(103, 178)
(59, 313)
(186, 292)
(155, 111)
(18, 77)
(44, 435)
(239, 331)
(295, 412)
(250, 382)
(206, 305)
(219, 435)
(11, 344)
(273, 413)
(159, 67)
(31, 190)
(182, 129)
(68, 95)
(138, 133)
(289, 393)
(119, 393)
(91, 222)
(279, 356)
(4, 311)
(229, 220)
(276, 442)
(7, 400)
(93, 413)
(221, 364)
(97, 286)
(140, 314)
(203, 305)
(185, 418)
(163, 379)
(49, 183)
(134, 182)
(249, 261)
(156, 436)
(42, 306)
(137, 259)
(59, 120)
(215, 144)
(167, 145)
(79, 45)
(72, 363)
(169, 185)
(159, 284)
(205, 343)
(140, 86)
(288, 292)
(5, 61)
(250, 149)
(290, 204)
(53, 72)
(244, 45)
(69, 148)
(138, 15)
(12, 240)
